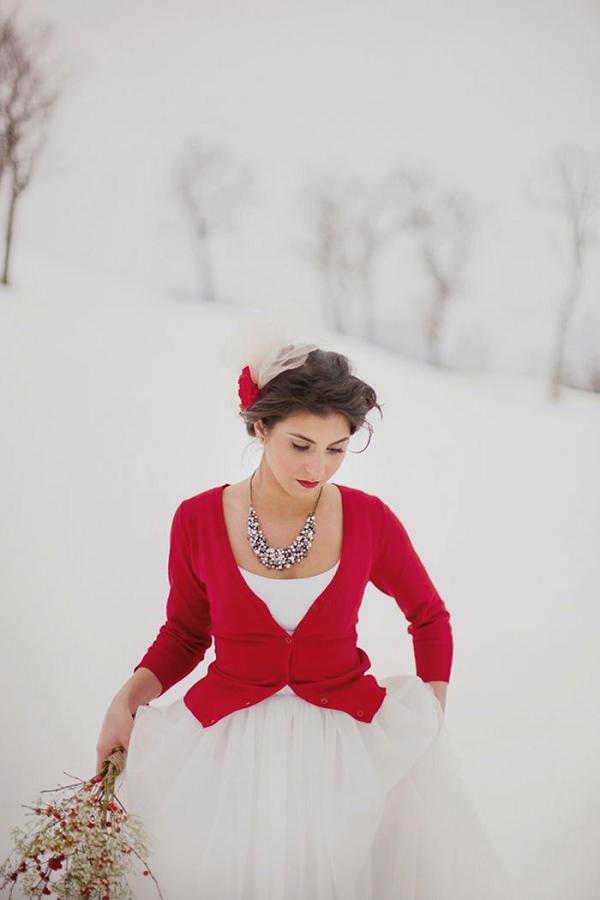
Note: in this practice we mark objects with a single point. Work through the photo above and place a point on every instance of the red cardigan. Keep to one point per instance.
(254, 655)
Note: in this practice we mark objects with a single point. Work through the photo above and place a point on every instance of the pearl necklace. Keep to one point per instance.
(280, 557)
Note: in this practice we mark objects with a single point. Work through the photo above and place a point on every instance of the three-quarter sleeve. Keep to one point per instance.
(184, 638)
(398, 571)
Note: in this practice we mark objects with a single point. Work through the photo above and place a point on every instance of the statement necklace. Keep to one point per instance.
(280, 557)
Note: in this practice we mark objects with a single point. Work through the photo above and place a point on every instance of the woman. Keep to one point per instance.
(287, 772)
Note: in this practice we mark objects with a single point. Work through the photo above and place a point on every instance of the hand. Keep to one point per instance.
(116, 730)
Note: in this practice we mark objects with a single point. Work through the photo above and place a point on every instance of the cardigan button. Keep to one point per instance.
(360, 712)
(324, 700)
(288, 640)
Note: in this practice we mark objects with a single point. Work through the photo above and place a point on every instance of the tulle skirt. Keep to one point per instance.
(285, 800)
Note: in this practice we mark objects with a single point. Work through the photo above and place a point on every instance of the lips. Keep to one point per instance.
(307, 484)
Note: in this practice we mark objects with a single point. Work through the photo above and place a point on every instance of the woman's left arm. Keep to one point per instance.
(398, 571)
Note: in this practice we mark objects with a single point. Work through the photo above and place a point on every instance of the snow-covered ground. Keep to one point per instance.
(116, 404)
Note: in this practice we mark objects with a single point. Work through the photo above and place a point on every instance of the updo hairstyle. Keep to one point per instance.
(324, 384)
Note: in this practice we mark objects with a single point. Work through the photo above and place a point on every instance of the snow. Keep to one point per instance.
(117, 404)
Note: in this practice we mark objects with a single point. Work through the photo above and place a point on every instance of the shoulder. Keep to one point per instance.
(371, 507)
(192, 507)
(363, 498)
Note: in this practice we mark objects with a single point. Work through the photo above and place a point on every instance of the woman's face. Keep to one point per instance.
(305, 447)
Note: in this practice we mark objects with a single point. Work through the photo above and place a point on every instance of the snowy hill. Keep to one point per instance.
(116, 404)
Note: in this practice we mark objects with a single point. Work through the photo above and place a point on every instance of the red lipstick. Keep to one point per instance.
(307, 484)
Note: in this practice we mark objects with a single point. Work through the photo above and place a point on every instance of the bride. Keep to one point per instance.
(288, 772)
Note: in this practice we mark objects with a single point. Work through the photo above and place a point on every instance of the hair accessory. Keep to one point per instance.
(266, 364)
(263, 342)
(248, 391)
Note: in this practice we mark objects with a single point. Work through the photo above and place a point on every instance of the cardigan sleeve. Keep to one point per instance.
(185, 636)
(398, 571)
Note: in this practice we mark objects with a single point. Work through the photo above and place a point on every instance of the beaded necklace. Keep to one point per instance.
(280, 557)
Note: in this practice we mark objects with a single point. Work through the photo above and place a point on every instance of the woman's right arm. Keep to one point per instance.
(140, 689)
(181, 643)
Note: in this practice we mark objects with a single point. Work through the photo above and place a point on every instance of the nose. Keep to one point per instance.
(313, 478)
(316, 474)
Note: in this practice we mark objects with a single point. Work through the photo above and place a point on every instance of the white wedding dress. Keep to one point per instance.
(285, 800)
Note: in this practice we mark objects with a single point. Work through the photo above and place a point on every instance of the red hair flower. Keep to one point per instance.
(248, 391)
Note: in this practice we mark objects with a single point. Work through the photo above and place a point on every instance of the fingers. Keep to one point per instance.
(103, 752)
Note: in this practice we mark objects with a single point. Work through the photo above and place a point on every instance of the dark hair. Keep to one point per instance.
(324, 384)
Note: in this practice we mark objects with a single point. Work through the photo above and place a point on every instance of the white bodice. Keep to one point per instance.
(288, 599)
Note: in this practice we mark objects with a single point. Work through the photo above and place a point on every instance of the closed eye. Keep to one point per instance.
(331, 449)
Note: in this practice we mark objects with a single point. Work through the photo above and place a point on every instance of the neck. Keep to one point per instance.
(271, 500)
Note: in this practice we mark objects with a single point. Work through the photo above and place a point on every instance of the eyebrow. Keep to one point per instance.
(310, 440)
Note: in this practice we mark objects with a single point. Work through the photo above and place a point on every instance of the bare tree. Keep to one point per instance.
(211, 186)
(594, 379)
(443, 220)
(365, 242)
(351, 221)
(408, 201)
(328, 222)
(328, 218)
(380, 212)
(572, 191)
(26, 102)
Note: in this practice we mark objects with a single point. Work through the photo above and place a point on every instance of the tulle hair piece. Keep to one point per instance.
(267, 341)
(265, 368)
